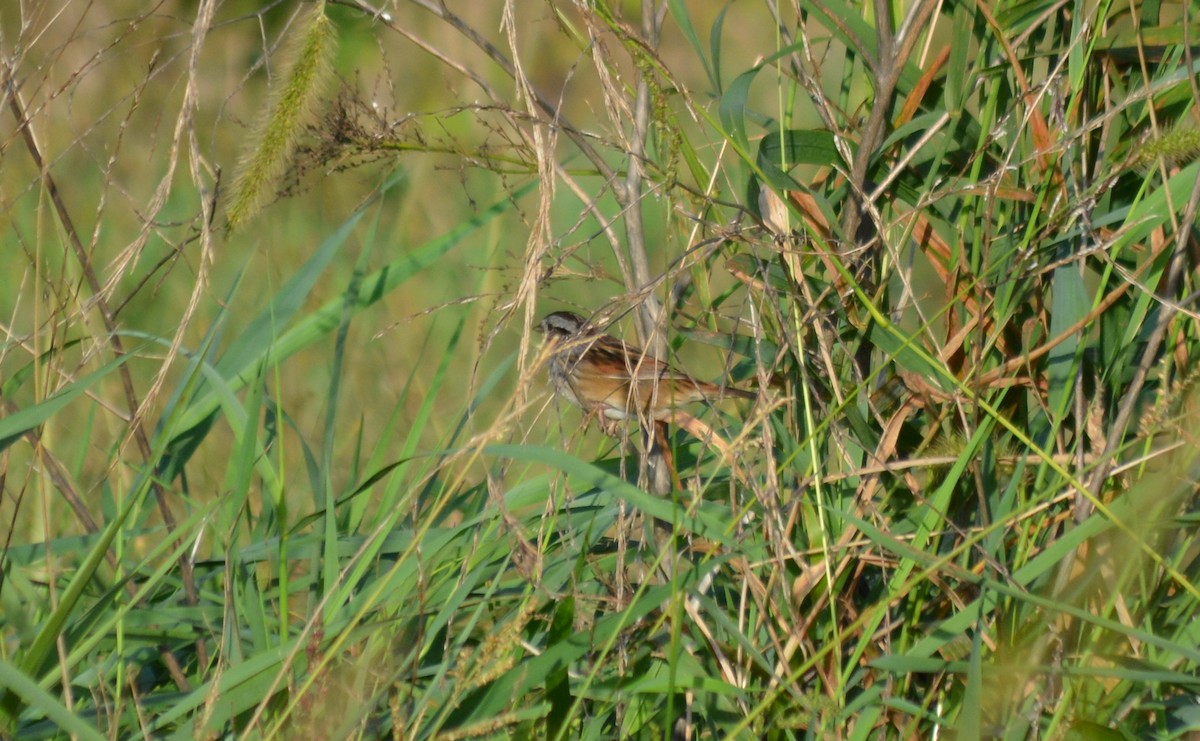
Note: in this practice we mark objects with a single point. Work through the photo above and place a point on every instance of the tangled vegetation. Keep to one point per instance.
(279, 458)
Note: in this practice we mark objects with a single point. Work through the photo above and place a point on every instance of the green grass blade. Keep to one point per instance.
(18, 684)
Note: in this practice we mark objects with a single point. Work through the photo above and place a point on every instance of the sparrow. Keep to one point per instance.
(598, 372)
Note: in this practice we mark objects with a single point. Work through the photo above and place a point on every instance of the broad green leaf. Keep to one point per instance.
(1070, 303)
(779, 152)
(18, 684)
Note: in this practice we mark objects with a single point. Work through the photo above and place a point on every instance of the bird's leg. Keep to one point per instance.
(610, 427)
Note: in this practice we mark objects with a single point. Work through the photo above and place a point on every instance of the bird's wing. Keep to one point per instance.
(628, 362)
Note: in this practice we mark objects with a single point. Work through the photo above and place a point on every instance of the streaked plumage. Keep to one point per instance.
(595, 371)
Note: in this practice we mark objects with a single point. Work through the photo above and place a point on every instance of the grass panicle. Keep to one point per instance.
(1177, 147)
(308, 69)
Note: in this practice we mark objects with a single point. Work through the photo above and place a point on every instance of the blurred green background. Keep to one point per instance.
(104, 83)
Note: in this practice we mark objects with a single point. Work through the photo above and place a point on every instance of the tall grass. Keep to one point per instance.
(951, 245)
